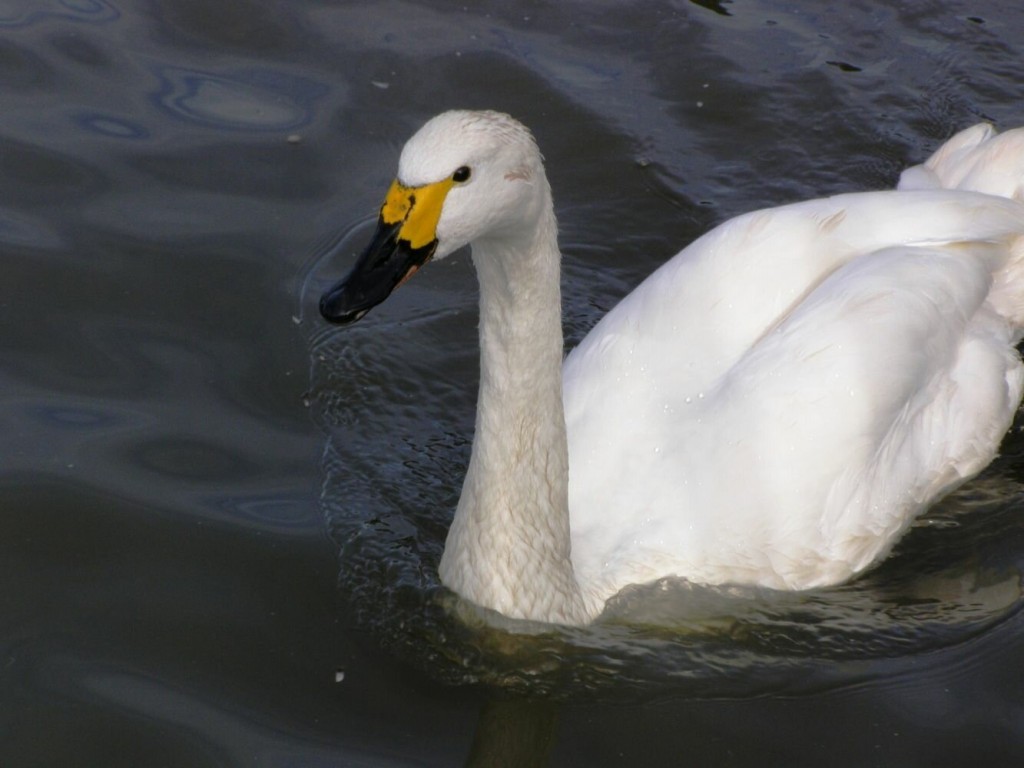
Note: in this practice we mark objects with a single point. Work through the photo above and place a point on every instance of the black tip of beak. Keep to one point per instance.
(333, 307)
(383, 266)
(342, 305)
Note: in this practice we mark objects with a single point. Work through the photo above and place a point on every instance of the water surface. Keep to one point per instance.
(222, 518)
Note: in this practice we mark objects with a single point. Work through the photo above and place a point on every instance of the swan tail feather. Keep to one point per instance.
(978, 159)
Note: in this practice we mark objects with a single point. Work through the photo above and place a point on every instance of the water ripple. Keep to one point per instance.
(21, 229)
(111, 125)
(247, 100)
(283, 514)
(88, 11)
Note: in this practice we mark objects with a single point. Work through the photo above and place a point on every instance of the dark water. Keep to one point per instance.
(220, 520)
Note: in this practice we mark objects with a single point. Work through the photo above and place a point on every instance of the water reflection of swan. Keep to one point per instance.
(513, 732)
(773, 406)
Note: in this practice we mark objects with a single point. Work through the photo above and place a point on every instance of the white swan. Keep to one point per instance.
(773, 406)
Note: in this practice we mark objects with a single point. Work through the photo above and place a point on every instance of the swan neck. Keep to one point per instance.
(509, 546)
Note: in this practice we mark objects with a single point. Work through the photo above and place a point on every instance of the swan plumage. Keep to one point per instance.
(773, 406)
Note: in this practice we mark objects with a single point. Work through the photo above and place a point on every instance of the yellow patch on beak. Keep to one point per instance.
(418, 208)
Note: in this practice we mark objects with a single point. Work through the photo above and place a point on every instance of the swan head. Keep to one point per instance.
(463, 177)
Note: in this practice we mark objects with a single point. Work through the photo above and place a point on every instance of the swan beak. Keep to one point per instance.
(405, 240)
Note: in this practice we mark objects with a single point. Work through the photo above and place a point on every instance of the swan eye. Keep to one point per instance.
(461, 174)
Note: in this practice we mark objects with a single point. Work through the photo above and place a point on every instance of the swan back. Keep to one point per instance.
(694, 317)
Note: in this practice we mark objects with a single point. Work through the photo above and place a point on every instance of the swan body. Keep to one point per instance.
(773, 406)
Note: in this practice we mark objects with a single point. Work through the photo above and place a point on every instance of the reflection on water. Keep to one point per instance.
(23, 13)
(396, 394)
(111, 125)
(516, 733)
(261, 100)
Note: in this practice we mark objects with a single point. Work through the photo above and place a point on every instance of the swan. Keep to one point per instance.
(773, 406)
